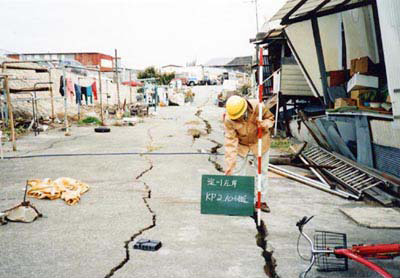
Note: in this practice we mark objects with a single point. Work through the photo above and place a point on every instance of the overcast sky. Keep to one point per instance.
(145, 32)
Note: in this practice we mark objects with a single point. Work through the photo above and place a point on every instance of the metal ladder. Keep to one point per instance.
(355, 179)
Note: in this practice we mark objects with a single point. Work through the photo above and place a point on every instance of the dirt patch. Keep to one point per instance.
(282, 144)
(152, 148)
(193, 122)
(195, 133)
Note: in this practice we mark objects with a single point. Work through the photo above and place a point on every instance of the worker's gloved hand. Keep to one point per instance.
(228, 172)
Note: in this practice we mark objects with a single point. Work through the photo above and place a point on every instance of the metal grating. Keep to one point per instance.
(354, 178)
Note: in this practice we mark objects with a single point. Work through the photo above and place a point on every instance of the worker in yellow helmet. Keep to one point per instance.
(241, 123)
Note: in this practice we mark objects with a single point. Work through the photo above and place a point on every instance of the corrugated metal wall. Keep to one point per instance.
(384, 134)
(389, 18)
(293, 81)
(387, 159)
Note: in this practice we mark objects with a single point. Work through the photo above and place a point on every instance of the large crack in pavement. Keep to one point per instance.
(153, 214)
(213, 158)
(261, 240)
(262, 232)
(208, 129)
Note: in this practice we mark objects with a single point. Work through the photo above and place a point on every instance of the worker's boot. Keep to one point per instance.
(264, 207)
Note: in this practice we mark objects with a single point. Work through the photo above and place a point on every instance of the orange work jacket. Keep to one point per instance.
(241, 135)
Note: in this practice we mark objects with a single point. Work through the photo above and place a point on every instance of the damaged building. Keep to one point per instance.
(335, 68)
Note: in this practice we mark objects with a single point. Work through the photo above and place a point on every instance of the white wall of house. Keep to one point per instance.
(389, 18)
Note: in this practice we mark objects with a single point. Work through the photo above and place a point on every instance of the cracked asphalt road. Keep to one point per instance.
(88, 240)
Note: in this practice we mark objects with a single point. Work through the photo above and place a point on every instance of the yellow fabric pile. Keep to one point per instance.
(68, 189)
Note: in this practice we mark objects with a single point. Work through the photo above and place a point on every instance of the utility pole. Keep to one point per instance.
(51, 97)
(130, 85)
(10, 113)
(101, 98)
(65, 101)
(116, 76)
(255, 3)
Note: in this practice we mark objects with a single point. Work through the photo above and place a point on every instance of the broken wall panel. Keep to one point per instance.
(329, 27)
(293, 81)
(301, 36)
(360, 34)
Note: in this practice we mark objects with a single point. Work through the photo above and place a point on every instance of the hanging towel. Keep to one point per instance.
(89, 91)
(61, 85)
(94, 89)
(84, 93)
(70, 89)
(78, 93)
(89, 94)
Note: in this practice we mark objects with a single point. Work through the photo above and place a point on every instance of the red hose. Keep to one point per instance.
(349, 254)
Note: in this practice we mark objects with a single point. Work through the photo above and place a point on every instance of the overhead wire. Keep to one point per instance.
(110, 154)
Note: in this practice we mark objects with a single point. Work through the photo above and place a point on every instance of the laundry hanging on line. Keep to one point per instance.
(69, 86)
(70, 89)
(87, 93)
(61, 85)
(78, 94)
(94, 89)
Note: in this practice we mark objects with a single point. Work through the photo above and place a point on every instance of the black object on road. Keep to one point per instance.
(102, 129)
(147, 245)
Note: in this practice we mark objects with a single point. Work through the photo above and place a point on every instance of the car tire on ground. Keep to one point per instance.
(102, 129)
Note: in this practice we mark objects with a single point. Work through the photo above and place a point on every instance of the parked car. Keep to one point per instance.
(192, 81)
(182, 79)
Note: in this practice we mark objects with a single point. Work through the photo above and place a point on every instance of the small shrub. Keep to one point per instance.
(89, 121)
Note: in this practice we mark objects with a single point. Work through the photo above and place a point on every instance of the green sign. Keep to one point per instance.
(229, 195)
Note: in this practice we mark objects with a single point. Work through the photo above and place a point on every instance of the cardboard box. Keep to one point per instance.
(362, 65)
(337, 78)
(360, 81)
(356, 94)
(343, 102)
(353, 67)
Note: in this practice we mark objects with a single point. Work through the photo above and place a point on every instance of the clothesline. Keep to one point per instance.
(78, 91)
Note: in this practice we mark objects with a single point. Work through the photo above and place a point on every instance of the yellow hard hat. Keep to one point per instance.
(235, 107)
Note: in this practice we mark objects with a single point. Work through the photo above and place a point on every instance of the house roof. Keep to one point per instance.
(296, 8)
(175, 66)
(240, 61)
(272, 34)
(58, 53)
(218, 61)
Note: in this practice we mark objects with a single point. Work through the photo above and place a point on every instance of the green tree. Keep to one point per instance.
(165, 78)
(151, 72)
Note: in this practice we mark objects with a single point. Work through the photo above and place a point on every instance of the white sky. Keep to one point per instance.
(145, 32)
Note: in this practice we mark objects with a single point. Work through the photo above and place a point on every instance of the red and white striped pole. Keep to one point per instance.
(260, 112)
